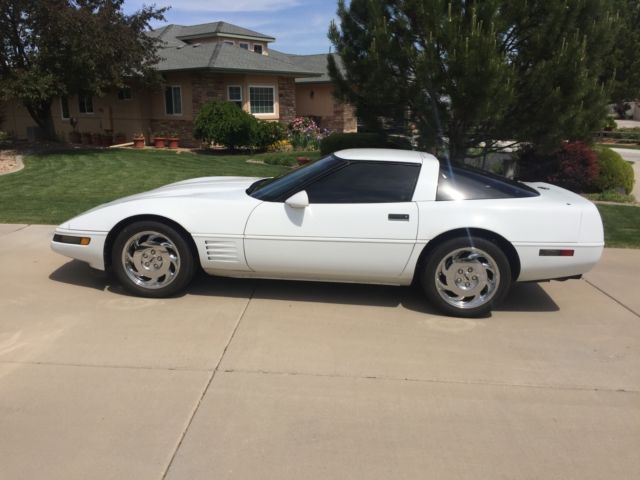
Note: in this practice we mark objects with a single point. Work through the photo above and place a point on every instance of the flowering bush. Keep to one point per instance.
(304, 134)
(574, 166)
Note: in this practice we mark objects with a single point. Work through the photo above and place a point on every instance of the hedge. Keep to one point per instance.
(615, 173)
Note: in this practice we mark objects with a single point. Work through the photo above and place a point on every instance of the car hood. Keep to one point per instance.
(204, 187)
(200, 186)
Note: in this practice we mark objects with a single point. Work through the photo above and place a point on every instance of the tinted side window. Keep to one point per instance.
(463, 183)
(366, 182)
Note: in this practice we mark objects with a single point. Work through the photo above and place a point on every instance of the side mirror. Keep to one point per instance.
(298, 200)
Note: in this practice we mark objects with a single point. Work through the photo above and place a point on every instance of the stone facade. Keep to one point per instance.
(343, 118)
(287, 98)
(182, 128)
(206, 87)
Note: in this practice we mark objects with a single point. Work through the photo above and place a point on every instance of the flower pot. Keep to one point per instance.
(86, 139)
(159, 142)
(173, 142)
(138, 142)
(75, 137)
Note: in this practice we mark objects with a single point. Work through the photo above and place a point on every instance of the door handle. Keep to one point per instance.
(399, 217)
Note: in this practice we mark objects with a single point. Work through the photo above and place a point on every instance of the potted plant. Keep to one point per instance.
(86, 138)
(159, 140)
(173, 140)
(74, 136)
(138, 140)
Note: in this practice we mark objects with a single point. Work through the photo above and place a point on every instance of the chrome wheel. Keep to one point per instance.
(150, 259)
(467, 278)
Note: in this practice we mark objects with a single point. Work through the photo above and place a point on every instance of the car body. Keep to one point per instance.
(360, 215)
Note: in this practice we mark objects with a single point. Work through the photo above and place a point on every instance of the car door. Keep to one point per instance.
(359, 225)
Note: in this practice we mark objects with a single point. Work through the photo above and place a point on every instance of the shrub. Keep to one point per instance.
(225, 124)
(574, 166)
(616, 175)
(609, 124)
(342, 141)
(266, 134)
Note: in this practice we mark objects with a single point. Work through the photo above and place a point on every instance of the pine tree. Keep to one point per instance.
(476, 72)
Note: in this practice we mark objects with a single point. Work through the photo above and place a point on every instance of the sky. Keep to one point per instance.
(299, 26)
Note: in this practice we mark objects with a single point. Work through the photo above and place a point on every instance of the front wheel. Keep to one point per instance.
(151, 259)
(466, 276)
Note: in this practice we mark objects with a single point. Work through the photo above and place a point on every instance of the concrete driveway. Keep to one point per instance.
(279, 380)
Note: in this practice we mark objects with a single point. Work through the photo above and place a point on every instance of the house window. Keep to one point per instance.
(234, 94)
(173, 100)
(257, 49)
(85, 104)
(229, 42)
(64, 108)
(124, 94)
(244, 45)
(261, 99)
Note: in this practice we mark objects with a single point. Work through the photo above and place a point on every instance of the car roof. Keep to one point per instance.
(385, 154)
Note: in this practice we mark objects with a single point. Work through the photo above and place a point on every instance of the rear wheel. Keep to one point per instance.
(152, 259)
(466, 276)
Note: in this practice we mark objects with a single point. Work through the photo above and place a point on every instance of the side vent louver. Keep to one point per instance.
(221, 251)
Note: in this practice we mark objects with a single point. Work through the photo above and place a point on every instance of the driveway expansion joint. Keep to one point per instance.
(613, 298)
(208, 384)
(585, 388)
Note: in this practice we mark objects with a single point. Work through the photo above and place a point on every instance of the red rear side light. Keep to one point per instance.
(545, 252)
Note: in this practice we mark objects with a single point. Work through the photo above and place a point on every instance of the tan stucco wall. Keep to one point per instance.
(314, 99)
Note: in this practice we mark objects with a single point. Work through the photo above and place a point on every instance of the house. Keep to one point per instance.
(200, 63)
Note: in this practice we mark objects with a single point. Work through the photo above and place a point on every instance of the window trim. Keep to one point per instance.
(172, 100)
(240, 44)
(254, 45)
(264, 114)
(229, 42)
(229, 99)
(62, 117)
(81, 102)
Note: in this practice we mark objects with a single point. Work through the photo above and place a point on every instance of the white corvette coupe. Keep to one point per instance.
(363, 215)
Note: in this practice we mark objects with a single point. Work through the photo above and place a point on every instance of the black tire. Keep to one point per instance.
(179, 273)
(489, 275)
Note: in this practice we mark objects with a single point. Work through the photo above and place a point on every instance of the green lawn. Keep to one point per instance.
(55, 187)
(621, 225)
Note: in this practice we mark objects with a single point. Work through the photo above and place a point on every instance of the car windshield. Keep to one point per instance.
(277, 188)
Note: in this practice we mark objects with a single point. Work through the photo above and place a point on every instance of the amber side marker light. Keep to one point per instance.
(556, 253)
(70, 239)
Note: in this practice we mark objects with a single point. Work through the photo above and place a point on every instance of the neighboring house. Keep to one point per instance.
(200, 63)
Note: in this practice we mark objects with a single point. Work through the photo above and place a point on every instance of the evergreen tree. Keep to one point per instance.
(477, 72)
(622, 66)
(54, 48)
